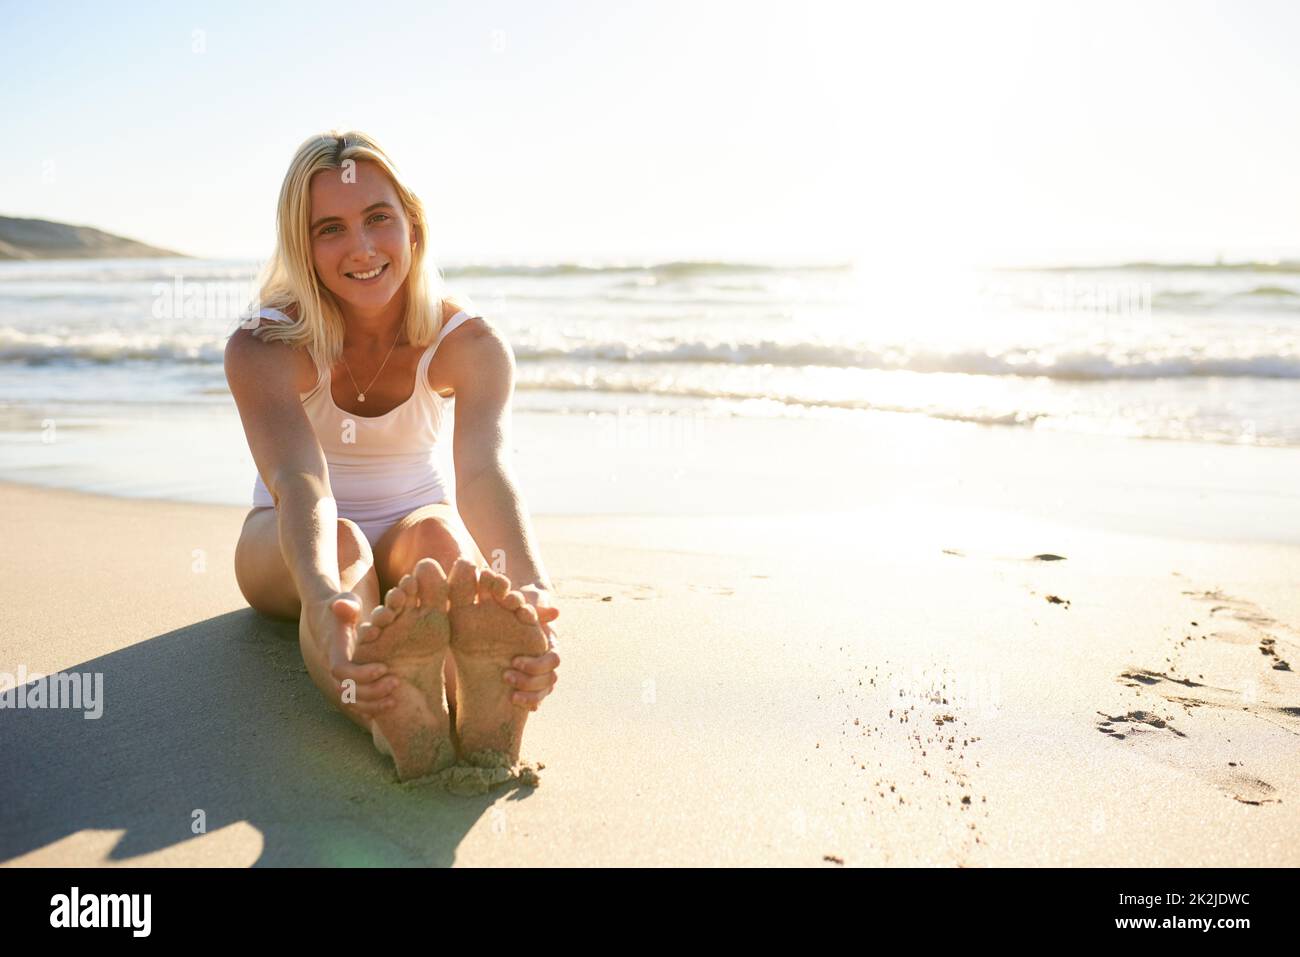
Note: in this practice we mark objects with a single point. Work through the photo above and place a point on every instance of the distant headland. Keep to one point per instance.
(42, 239)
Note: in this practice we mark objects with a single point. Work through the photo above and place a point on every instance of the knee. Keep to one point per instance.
(433, 537)
(353, 547)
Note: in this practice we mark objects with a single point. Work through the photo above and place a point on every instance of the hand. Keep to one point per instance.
(534, 677)
(334, 623)
(540, 599)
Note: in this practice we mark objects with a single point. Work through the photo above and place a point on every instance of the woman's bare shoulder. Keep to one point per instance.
(248, 353)
(459, 352)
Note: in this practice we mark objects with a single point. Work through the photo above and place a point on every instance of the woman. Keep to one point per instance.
(351, 530)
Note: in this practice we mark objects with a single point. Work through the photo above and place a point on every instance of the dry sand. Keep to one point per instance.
(892, 688)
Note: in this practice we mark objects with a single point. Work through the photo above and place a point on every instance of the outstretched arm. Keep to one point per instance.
(291, 462)
(487, 496)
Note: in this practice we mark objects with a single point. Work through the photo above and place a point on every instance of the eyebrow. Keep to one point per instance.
(331, 219)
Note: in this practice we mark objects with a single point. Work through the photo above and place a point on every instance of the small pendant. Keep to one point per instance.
(361, 397)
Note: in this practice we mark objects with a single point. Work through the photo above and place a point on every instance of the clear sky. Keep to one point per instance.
(984, 132)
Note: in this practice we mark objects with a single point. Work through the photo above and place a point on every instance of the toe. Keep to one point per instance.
(527, 614)
(382, 616)
(462, 583)
(432, 583)
(492, 587)
(408, 585)
(367, 631)
(512, 601)
(396, 599)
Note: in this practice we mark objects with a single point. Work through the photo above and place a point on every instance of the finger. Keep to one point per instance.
(537, 665)
(548, 612)
(530, 699)
(361, 674)
(541, 601)
(372, 694)
(523, 682)
(377, 690)
(348, 604)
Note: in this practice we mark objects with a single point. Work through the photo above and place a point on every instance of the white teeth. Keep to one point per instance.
(367, 275)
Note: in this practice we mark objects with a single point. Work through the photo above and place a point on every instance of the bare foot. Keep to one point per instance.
(409, 633)
(490, 625)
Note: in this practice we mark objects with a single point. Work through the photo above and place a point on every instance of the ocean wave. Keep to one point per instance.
(1077, 366)
(1267, 266)
(107, 348)
(1270, 291)
(126, 270)
(1256, 297)
(164, 270)
(677, 391)
(676, 269)
(1081, 365)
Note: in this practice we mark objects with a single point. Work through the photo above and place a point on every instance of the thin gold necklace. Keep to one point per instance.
(361, 393)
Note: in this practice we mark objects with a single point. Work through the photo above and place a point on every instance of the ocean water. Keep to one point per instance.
(1204, 353)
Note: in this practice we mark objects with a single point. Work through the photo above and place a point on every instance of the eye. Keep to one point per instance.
(327, 229)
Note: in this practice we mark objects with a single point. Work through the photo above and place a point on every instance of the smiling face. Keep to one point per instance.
(358, 225)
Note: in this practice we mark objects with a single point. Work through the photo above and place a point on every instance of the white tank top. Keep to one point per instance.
(382, 467)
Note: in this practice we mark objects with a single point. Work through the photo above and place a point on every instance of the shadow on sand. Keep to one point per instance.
(221, 717)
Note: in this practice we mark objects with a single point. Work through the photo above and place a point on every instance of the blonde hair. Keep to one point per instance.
(289, 277)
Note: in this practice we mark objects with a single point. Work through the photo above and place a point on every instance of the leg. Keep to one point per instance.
(431, 531)
(267, 585)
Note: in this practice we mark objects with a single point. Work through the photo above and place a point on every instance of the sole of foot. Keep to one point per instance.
(410, 633)
(490, 626)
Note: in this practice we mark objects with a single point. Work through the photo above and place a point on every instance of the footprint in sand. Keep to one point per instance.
(1247, 789)
(712, 589)
(1136, 722)
(1239, 786)
(1269, 690)
(1260, 627)
(602, 589)
(1189, 680)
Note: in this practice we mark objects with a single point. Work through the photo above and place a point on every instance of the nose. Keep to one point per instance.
(364, 250)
